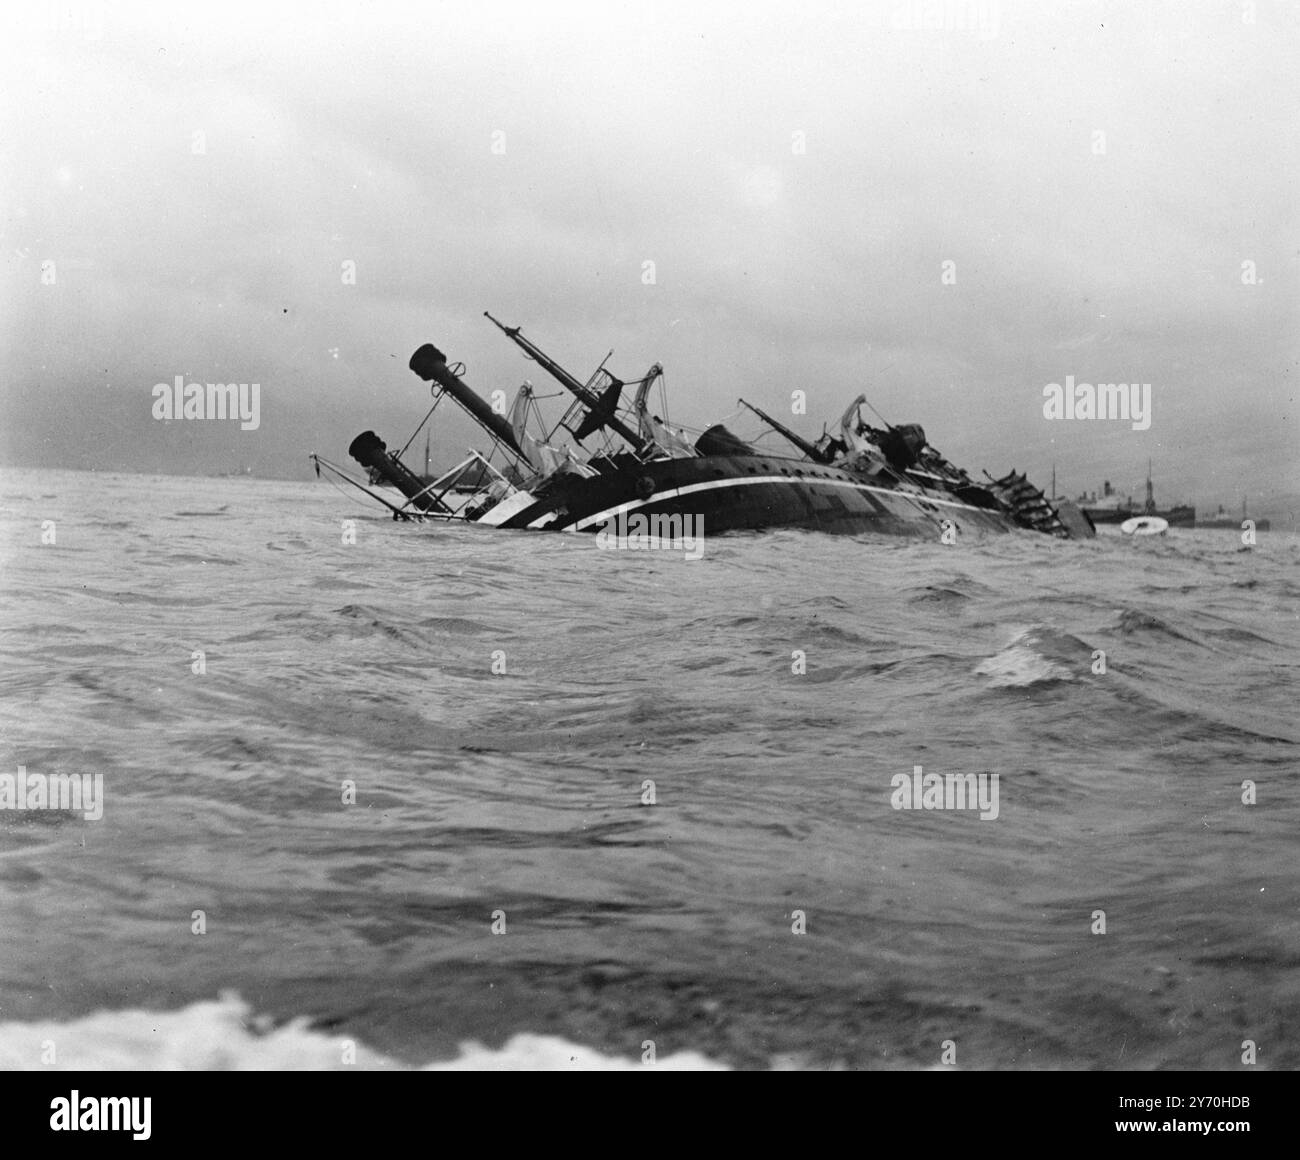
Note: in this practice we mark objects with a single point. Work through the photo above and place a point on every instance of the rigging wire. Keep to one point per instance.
(333, 480)
(334, 483)
(436, 401)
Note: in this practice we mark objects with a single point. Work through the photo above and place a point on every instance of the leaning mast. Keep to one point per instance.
(599, 407)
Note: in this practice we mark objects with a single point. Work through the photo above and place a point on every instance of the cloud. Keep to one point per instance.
(798, 180)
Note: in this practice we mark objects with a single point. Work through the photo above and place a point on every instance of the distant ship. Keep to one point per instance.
(1222, 519)
(1111, 508)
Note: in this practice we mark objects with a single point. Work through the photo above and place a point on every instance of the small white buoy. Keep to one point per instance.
(1145, 526)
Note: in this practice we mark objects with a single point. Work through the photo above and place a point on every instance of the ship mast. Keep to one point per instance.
(807, 448)
(600, 407)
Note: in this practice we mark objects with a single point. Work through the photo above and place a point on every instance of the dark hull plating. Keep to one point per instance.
(736, 493)
(650, 479)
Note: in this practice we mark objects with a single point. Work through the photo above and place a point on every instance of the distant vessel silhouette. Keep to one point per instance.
(1111, 508)
(1221, 519)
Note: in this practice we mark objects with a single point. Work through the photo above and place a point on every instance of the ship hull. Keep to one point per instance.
(662, 485)
(740, 493)
(1232, 523)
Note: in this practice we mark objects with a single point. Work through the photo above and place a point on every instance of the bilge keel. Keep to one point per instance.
(608, 457)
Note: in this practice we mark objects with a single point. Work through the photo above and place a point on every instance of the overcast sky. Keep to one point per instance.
(1098, 174)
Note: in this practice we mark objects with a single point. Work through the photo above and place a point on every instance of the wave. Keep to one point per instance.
(1037, 656)
(225, 1035)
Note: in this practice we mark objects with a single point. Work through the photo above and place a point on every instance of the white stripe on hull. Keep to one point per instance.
(512, 505)
(710, 485)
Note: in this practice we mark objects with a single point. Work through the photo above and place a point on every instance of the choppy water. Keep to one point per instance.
(479, 792)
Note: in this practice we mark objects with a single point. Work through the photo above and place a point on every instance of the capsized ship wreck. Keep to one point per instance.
(608, 457)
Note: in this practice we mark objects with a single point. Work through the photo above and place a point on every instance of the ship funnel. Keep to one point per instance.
(431, 365)
(372, 452)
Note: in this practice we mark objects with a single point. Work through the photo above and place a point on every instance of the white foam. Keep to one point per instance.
(225, 1035)
(1018, 666)
(1024, 662)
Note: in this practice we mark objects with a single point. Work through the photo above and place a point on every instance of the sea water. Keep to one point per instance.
(384, 794)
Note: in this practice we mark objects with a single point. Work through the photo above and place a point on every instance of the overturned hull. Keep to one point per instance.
(608, 464)
(751, 493)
